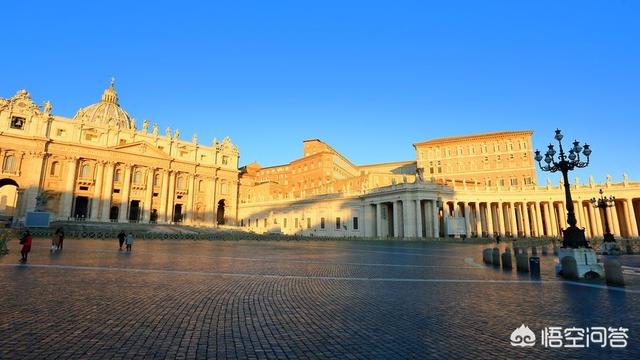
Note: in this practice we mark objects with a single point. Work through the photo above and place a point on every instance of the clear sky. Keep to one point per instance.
(368, 77)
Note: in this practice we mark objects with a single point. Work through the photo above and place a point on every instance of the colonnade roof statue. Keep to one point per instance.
(107, 112)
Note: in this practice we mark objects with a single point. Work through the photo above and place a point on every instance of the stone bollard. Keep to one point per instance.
(613, 273)
(487, 256)
(534, 265)
(522, 263)
(495, 257)
(569, 267)
(506, 260)
(545, 251)
(534, 251)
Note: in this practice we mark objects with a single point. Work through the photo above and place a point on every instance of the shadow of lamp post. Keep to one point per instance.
(603, 203)
(573, 237)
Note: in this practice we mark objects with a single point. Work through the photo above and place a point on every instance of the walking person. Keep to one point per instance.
(129, 241)
(60, 232)
(55, 242)
(121, 238)
(26, 240)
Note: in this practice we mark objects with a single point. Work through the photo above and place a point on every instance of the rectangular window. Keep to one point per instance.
(284, 222)
(321, 223)
(514, 181)
(241, 222)
(18, 122)
(355, 223)
(225, 160)
(337, 223)
(501, 182)
(60, 132)
(308, 223)
(265, 222)
(296, 223)
(527, 181)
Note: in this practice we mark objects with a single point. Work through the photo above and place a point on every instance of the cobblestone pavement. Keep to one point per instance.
(306, 299)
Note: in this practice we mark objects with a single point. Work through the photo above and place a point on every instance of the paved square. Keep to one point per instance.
(293, 299)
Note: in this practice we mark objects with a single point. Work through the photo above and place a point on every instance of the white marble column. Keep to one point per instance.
(513, 227)
(97, 191)
(123, 214)
(66, 203)
(378, 220)
(467, 218)
(500, 214)
(419, 217)
(527, 221)
(107, 190)
(148, 196)
(630, 213)
(171, 195)
(396, 221)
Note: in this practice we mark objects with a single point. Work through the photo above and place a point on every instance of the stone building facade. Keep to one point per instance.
(99, 166)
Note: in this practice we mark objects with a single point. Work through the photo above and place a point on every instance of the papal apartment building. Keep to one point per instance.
(99, 166)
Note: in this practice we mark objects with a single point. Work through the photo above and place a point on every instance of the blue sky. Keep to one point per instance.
(368, 77)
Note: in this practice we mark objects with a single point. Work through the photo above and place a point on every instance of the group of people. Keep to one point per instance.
(128, 238)
(57, 240)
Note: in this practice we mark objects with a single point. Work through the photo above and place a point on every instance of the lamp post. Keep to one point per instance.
(573, 237)
(603, 203)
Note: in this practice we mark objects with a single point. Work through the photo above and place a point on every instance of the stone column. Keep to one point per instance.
(539, 219)
(525, 219)
(107, 190)
(435, 218)
(563, 215)
(631, 218)
(554, 221)
(97, 191)
(419, 217)
(532, 220)
(467, 218)
(66, 203)
(396, 222)
(489, 218)
(477, 217)
(547, 219)
(123, 214)
(367, 222)
(148, 196)
(378, 220)
(408, 216)
(614, 219)
(171, 195)
(592, 221)
(513, 225)
(500, 214)
(189, 210)
(599, 223)
(164, 195)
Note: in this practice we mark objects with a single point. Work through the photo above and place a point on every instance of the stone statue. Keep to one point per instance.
(625, 177)
(133, 123)
(591, 180)
(194, 138)
(145, 125)
(420, 175)
(609, 179)
(215, 142)
(176, 135)
(548, 182)
(154, 131)
(167, 132)
(41, 202)
(47, 107)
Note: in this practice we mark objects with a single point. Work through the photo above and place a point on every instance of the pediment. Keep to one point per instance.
(142, 148)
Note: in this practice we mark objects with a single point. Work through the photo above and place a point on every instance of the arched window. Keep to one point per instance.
(9, 164)
(156, 180)
(55, 169)
(180, 183)
(137, 177)
(85, 171)
(118, 175)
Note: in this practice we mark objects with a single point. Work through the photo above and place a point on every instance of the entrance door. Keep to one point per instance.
(220, 213)
(113, 213)
(177, 213)
(81, 208)
(134, 211)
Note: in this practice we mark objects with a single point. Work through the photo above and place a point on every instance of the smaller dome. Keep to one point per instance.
(107, 112)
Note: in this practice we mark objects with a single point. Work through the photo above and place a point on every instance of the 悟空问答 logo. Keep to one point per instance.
(523, 337)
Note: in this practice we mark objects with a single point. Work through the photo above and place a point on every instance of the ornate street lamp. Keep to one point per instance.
(603, 203)
(573, 237)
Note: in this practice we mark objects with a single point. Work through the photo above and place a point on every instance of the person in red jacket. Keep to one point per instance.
(26, 241)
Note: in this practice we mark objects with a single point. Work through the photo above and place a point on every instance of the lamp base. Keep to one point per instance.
(586, 263)
(573, 237)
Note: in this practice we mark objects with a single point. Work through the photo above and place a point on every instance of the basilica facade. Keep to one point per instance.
(100, 167)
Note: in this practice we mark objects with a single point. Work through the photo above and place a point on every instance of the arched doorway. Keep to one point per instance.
(8, 200)
(220, 212)
(113, 213)
(177, 213)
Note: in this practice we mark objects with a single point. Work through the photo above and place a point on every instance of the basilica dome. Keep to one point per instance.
(106, 113)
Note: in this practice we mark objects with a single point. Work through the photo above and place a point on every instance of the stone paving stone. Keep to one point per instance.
(288, 300)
